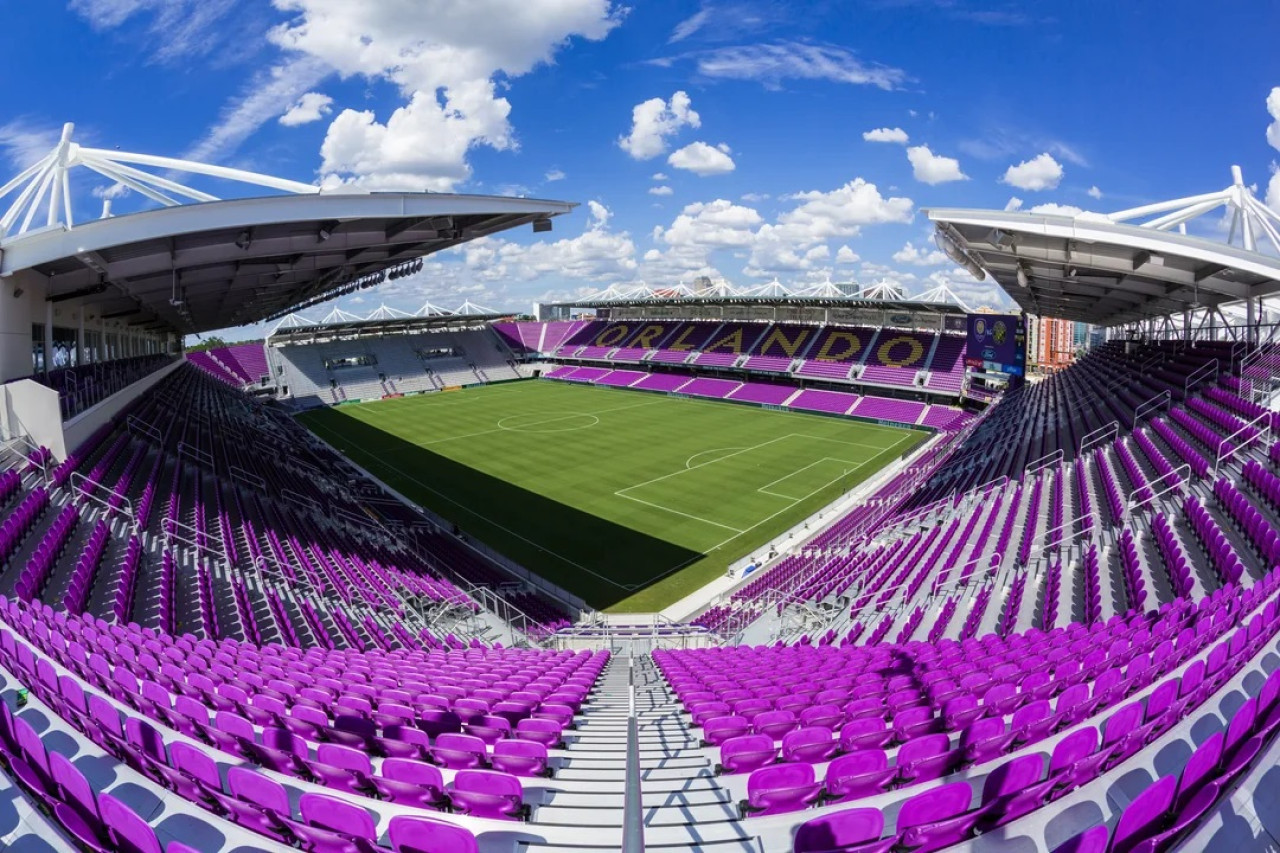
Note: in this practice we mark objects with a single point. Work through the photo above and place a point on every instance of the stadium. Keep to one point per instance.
(694, 569)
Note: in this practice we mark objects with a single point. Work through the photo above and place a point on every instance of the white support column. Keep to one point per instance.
(48, 336)
(1250, 322)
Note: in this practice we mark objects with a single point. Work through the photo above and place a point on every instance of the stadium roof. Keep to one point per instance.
(880, 296)
(1101, 269)
(338, 324)
(201, 263)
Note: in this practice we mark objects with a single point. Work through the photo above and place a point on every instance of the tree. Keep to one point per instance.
(213, 342)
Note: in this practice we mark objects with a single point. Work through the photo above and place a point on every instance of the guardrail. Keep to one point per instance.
(143, 429)
(1164, 398)
(1200, 374)
(1226, 451)
(632, 804)
(1179, 476)
(88, 490)
(1044, 462)
(1106, 432)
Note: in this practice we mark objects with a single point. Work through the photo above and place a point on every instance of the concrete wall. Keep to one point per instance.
(84, 424)
(32, 409)
(23, 303)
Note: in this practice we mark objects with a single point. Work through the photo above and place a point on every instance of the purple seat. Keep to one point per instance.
(746, 753)
(984, 740)
(332, 825)
(927, 757)
(459, 752)
(814, 745)
(256, 802)
(720, 729)
(1144, 816)
(865, 733)
(858, 774)
(1090, 841)
(411, 782)
(852, 829)
(424, 835)
(78, 809)
(774, 724)
(520, 758)
(825, 715)
(488, 793)
(780, 788)
(546, 732)
(926, 822)
(127, 832)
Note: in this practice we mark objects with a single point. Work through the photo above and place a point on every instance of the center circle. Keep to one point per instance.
(547, 423)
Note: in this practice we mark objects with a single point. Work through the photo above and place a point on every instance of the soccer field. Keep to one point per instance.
(628, 499)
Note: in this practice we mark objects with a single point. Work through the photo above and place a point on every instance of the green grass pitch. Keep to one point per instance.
(631, 500)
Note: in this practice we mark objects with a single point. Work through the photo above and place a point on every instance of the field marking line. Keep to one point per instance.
(765, 488)
(903, 437)
(400, 472)
(677, 512)
(533, 423)
(689, 467)
(619, 492)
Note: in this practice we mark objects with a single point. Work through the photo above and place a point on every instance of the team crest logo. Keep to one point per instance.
(998, 332)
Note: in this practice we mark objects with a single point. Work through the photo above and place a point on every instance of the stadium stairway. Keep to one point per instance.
(684, 807)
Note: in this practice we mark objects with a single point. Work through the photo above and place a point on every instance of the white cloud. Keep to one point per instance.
(689, 26)
(312, 106)
(598, 254)
(1041, 172)
(754, 197)
(1013, 203)
(445, 60)
(267, 95)
(661, 189)
(771, 64)
(702, 159)
(660, 176)
(110, 191)
(24, 142)
(1055, 209)
(554, 175)
(1094, 192)
(930, 168)
(654, 121)
(845, 255)
(175, 29)
(1273, 188)
(1273, 108)
(422, 146)
(787, 244)
(909, 254)
(886, 134)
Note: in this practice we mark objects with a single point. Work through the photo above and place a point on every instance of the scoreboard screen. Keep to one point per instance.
(997, 343)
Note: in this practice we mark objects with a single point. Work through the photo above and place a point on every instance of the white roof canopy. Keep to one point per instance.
(1101, 269)
(198, 263)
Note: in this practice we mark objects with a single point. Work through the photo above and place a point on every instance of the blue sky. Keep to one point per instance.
(725, 138)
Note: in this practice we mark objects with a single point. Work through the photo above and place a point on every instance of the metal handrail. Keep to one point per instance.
(247, 477)
(1103, 433)
(1225, 451)
(138, 426)
(1200, 373)
(195, 454)
(78, 482)
(1044, 462)
(632, 803)
(1045, 547)
(1164, 398)
(1181, 475)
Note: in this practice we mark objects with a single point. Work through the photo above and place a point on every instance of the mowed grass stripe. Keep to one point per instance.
(631, 500)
